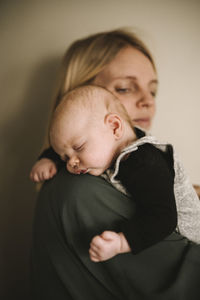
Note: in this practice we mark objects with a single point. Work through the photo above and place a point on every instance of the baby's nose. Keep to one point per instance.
(73, 162)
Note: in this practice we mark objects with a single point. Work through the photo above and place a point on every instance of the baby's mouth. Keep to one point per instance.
(82, 171)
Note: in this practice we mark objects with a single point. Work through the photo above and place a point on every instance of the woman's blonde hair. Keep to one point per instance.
(86, 58)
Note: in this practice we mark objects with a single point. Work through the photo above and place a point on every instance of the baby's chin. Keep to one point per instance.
(96, 172)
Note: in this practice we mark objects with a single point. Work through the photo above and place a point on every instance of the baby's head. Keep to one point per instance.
(89, 128)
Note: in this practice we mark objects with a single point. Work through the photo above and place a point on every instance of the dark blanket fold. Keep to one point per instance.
(70, 211)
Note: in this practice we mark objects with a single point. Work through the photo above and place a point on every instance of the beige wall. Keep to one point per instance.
(34, 35)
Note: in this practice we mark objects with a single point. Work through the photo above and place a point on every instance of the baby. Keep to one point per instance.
(92, 133)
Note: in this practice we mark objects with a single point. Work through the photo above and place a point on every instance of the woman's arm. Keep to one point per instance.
(71, 209)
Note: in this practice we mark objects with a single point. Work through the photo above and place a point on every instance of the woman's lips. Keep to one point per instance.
(143, 122)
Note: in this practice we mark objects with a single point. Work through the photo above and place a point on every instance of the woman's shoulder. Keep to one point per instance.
(83, 195)
(81, 189)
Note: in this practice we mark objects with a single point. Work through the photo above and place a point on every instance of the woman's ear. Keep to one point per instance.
(115, 124)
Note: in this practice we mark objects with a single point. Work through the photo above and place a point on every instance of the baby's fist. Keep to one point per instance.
(43, 169)
(105, 246)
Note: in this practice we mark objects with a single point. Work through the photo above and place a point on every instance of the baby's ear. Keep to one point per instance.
(115, 124)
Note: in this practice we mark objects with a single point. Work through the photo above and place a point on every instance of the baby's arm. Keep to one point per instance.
(153, 192)
(148, 175)
(107, 245)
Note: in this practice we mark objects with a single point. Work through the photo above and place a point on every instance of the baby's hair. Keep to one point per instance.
(93, 97)
(97, 99)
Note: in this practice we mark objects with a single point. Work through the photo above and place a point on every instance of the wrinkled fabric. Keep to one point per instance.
(70, 211)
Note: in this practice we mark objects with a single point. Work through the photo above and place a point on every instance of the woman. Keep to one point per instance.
(71, 210)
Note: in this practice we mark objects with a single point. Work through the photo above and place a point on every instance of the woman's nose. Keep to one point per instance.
(146, 100)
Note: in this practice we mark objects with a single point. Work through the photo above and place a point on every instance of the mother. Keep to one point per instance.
(72, 209)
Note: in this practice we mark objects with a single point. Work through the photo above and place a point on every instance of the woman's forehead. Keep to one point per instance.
(129, 62)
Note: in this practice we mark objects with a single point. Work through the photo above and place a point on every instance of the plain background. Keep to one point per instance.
(34, 36)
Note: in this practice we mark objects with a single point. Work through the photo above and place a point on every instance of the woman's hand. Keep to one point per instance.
(43, 169)
(107, 245)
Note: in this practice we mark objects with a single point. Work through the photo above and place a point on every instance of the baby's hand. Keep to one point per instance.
(43, 169)
(105, 246)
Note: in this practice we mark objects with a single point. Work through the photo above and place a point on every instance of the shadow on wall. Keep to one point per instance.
(22, 140)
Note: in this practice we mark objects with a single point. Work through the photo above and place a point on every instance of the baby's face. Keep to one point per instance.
(87, 146)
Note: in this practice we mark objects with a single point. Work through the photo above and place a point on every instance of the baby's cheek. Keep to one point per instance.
(69, 168)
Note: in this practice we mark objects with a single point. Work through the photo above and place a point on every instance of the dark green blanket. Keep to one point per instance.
(70, 211)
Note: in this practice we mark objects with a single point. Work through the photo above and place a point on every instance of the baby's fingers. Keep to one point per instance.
(94, 256)
(97, 242)
(34, 177)
(52, 171)
(46, 175)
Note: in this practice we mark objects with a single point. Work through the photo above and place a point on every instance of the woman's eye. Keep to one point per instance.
(122, 90)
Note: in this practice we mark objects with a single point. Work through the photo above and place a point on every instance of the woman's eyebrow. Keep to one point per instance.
(125, 77)
(154, 81)
(133, 77)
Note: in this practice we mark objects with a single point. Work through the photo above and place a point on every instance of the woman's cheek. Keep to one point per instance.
(129, 105)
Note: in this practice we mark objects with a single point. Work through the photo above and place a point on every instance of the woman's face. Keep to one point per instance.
(132, 78)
